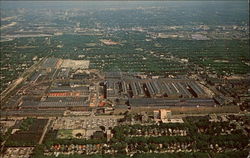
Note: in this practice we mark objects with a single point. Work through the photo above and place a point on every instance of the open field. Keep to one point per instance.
(65, 133)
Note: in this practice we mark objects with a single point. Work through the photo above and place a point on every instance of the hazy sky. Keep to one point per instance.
(107, 4)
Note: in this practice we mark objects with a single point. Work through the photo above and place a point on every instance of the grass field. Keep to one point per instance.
(65, 134)
(70, 133)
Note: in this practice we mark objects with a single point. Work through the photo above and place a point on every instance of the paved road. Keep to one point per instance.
(44, 132)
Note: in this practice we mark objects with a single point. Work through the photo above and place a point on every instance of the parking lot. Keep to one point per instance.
(82, 122)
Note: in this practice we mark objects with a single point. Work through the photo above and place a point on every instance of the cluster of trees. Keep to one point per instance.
(201, 124)
(19, 143)
(25, 125)
(123, 57)
(74, 141)
(211, 138)
(200, 142)
(163, 128)
(125, 139)
(234, 154)
(204, 53)
(4, 136)
(231, 141)
(201, 134)
(18, 52)
(192, 125)
(146, 144)
(30, 133)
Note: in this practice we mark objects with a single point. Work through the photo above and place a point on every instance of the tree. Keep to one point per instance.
(78, 135)
(102, 128)
(119, 146)
(152, 147)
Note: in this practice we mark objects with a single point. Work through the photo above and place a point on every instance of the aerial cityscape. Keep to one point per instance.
(120, 79)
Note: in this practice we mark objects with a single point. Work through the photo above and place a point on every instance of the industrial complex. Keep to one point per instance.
(59, 85)
(124, 79)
